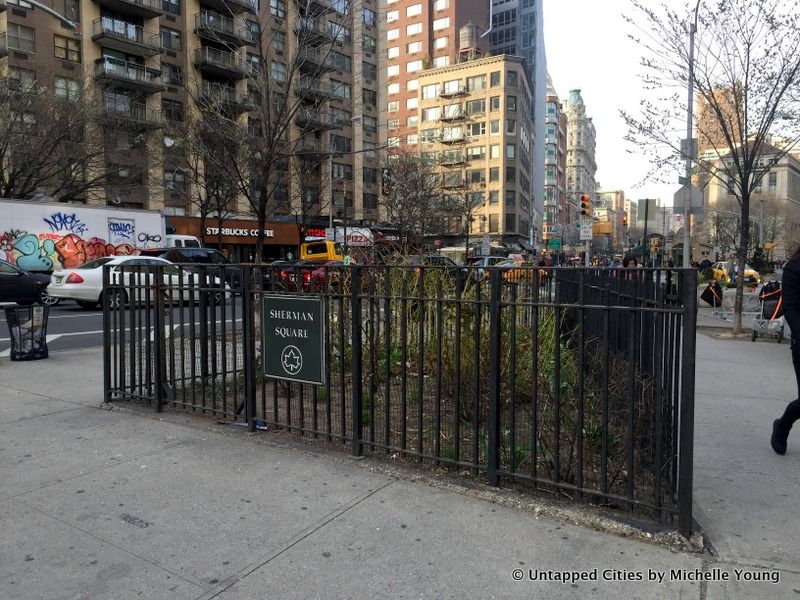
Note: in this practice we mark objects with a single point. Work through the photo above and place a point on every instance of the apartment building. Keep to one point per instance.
(555, 167)
(609, 207)
(419, 36)
(581, 143)
(475, 124)
(150, 62)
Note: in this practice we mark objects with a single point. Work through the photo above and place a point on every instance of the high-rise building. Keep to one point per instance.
(711, 139)
(421, 35)
(150, 63)
(581, 165)
(555, 166)
(475, 124)
(609, 207)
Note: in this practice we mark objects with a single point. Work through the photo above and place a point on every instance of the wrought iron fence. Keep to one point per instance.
(576, 380)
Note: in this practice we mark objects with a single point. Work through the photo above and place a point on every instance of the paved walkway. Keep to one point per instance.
(108, 504)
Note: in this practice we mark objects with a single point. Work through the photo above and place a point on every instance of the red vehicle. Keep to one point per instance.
(308, 276)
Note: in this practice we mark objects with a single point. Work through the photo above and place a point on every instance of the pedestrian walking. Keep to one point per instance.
(790, 289)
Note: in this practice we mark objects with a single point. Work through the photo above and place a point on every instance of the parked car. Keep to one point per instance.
(452, 268)
(479, 264)
(85, 283)
(198, 256)
(23, 287)
(720, 271)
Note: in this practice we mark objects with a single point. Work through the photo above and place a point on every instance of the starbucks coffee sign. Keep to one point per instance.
(293, 339)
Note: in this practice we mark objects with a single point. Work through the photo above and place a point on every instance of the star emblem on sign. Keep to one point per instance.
(291, 360)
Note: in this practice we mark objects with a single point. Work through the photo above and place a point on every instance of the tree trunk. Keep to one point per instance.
(741, 259)
(203, 217)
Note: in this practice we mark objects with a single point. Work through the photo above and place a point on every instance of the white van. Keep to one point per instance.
(183, 241)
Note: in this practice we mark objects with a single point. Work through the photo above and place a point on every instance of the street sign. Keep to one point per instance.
(485, 245)
(586, 230)
(554, 244)
(293, 339)
(679, 198)
(689, 148)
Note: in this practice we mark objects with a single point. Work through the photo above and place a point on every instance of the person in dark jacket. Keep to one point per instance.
(790, 290)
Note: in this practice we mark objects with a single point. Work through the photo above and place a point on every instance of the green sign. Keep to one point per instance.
(293, 340)
(554, 244)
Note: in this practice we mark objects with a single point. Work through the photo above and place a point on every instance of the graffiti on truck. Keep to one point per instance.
(51, 251)
(60, 222)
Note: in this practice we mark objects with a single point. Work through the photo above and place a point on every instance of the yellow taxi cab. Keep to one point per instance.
(721, 272)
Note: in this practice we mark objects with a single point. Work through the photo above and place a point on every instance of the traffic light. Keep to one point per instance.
(586, 206)
(386, 178)
(624, 220)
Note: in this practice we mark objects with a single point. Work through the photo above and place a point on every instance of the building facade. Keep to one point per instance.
(150, 62)
(475, 124)
(609, 207)
(555, 168)
(581, 143)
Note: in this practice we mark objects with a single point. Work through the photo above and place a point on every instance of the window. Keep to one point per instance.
(173, 110)
(478, 82)
(511, 79)
(175, 181)
(393, 70)
(430, 91)
(430, 114)
(412, 121)
(494, 221)
(339, 89)
(278, 8)
(452, 133)
(494, 151)
(170, 39)
(476, 107)
(414, 29)
(511, 103)
(21, 79)
(368, 43)
(21, 4)
(392, 34)
(494, 79)
(394, 88)
(370, 97)
(494, 174)
(67, 88)
(476, 176)
(370, 124)
(511, 222)
(392, 16)
(414, 47)
(392, 142)
(494, 197)
(413, 66)
(341, 116)
(341, 144)
(278, 71)
(393, 106)
(440, 43)
(342, 62)
(476, 153)
(442, 23)
(65, 48)
(440, 4)
(341, 171)
(511, 127)
(452, 87)
(412, 139)
(441, 61)
(453, 111)
(494, 103)
(171, 6)
(429, 135)
(278, 38)
(393, 124)
(340, 33)
(393, 52)
(370, 201)
(414, 10)
(368, 16)
(772, 184)
(511, 175)
(494, 126)
(474, 129)
(412, 85)
(412, 103)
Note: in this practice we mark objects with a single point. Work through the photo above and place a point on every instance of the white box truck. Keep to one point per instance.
(48, 236)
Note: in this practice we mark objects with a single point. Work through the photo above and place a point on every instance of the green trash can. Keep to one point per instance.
(28, 328)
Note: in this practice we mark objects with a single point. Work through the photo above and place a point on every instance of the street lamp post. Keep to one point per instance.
(687, 200)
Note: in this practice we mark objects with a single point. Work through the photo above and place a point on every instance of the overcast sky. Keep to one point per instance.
(587, 48)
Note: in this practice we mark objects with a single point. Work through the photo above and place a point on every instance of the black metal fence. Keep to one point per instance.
(570, 379)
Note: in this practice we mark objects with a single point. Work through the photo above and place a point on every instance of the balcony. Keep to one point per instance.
(312, 147)
(312, 8)
(312, 60)
(218, 28)
(452, 137)
(452, 183)
(453, 159)
(125, 37)
(147, 9)
(133, 113)
(235, 7)
(3, 44)
(314, 120)
(453, 92)
(311, 31)
(123, 74)
(312, 89)
(221, 63)
(226, 98)
(452, 115)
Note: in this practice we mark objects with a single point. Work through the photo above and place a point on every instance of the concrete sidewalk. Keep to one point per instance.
(111, 504)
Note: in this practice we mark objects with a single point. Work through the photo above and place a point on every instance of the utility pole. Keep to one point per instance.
(646, 242)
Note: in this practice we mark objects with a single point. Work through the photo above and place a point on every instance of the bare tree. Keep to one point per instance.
(412, 200)
(745, 72)
(50, 143)
(462, 198)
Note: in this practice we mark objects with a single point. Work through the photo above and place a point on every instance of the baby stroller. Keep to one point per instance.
(770, 320)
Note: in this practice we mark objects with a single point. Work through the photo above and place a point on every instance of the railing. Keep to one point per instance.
(225, 95)
(311, 26)
(578, 381)
(313, 86)
(126, 31)
(220, 24)
(316, 117)
(223, 59)
(127, 70)
(134, 111)
(315, 57)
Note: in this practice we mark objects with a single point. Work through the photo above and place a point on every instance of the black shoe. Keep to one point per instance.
(778, 440)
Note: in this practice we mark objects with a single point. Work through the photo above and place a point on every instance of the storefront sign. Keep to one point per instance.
(239, 232)
(236, 231)
(293, 340)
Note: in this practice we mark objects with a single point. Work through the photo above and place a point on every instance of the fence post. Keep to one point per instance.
(495, 331)
(106, 339)
(355, 347)
(686, 434)
(159, 337)
(249, 307)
